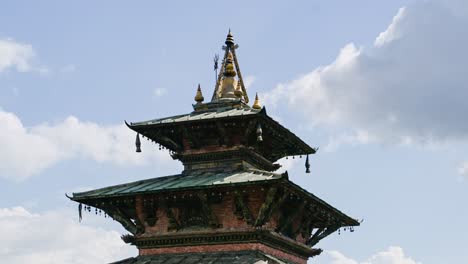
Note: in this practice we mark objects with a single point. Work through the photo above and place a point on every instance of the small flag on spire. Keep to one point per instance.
(215, 60)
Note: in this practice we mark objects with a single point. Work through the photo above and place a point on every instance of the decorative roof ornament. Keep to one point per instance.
(199, 96)
(307, 164)
(238, 92)
(256, 104)
(229, 69)
(229, 39)
(138, 143)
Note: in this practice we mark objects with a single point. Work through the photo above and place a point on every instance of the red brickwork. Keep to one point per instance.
(226, 217)
(224, 211)
(226, 247)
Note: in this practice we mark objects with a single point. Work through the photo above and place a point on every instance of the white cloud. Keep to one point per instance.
(393, 255)
(28, 151)
(338, 258)
(15, 55)
(463, 169)
(158, 92)
(409, 87)
(392, 33)
(52, 237)
(248, 81)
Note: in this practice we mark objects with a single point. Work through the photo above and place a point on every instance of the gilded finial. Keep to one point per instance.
(238, 92)
(256, 104)
(229, 39)
(229, 68)
(199, 96)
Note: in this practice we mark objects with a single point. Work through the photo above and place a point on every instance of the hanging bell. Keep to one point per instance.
(80, 214)
(259, 133)
(138, 143)
(307, 164)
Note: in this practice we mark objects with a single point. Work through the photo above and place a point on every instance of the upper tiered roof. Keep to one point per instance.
(225, 124)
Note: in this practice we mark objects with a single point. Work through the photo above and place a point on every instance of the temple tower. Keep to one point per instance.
(228, 205)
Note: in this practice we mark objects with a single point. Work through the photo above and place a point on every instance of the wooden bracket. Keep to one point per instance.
(212, 220)
(271, 204)
(248, 130)
(119, 216)
(193, 141)
(320, 234)
(286, 223)
(246, 214)
(223, 134)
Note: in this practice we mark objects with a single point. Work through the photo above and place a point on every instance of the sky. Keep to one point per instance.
(378, 86)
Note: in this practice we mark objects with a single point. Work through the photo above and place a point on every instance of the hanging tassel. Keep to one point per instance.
(80, 214)
(307, 164)
(138, 143)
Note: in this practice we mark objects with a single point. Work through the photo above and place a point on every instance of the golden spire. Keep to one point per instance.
(226, 84)
(199, 96)
(256, 104)
(229, 68)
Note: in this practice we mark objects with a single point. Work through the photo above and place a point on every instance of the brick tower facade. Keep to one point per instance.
(228, 205)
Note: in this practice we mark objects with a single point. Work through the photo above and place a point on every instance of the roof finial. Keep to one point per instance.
(238, 92)
(229, 39)
(199, 96)
(256, 104)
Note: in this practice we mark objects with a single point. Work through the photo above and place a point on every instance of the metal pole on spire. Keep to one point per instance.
(215, 60)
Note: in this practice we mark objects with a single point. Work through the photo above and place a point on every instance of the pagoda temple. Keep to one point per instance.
(228, 205)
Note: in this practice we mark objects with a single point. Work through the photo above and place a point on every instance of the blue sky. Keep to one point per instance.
(379, 86)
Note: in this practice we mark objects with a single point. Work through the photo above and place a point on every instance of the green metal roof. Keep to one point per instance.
(180, 181)
(198, 181)
(226, 257)
(218, 113)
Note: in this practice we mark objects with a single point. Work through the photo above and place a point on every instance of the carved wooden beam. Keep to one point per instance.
(222, 133)
(193, 140)
(248, 130)
(150, 209)
(117, 214)
(277, 204)
(247, 215)
(305, 227)
(290, 218)
(270, 205)
(266, 206)
(170, 142)
(320, 234)
(212, 220)
(173, 223)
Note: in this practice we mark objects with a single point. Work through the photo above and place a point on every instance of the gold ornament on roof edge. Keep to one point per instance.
(199, 96)
(256, 104)
(239, 93)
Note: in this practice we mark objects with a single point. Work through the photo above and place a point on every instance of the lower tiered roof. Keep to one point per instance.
(209, 180)
(226, 257)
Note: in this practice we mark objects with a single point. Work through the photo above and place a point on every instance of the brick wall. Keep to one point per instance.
(225, 247)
